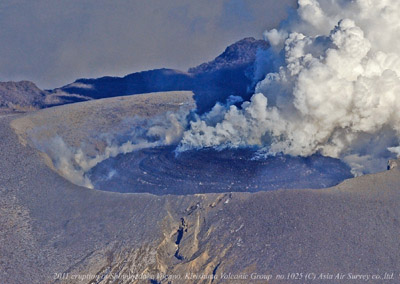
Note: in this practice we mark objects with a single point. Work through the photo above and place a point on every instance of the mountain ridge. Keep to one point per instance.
(229, 74)
(21, 96)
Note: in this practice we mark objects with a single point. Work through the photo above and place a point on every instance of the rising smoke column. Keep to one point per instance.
(336, 91)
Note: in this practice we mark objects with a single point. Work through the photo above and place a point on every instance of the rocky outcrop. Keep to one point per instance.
(393, 164)
(238, 54)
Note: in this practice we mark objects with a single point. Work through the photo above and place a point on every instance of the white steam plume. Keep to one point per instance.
(337, 91)
(74, 163)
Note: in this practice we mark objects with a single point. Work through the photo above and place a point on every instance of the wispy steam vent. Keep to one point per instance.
(126, 124)
(330, 85)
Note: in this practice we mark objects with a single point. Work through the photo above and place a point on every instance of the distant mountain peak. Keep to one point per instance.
(23, 95)
(215, 81)
(238, 54)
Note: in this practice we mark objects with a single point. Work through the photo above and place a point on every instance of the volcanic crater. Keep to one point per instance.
(162, 171)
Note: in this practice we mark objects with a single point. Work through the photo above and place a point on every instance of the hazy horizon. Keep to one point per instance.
(53, 43)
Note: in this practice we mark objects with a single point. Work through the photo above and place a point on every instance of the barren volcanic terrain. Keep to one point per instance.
(53, 231)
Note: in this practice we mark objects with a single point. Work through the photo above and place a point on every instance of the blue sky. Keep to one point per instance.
(53, 42)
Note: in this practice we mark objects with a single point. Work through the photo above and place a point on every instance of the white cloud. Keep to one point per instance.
(336, 91)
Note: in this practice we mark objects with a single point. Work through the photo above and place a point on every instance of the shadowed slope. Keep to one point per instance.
(228, 74)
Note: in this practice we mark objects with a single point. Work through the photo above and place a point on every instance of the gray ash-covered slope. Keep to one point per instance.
(49, 226)
(229, 74)
(159, 171)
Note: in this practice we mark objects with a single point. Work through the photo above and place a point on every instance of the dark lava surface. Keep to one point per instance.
(159, 171)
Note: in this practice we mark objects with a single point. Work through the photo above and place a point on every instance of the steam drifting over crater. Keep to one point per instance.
(73, 163)
(330, 85)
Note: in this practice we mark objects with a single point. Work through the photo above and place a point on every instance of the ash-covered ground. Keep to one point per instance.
(49, 225)
(160, 171)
